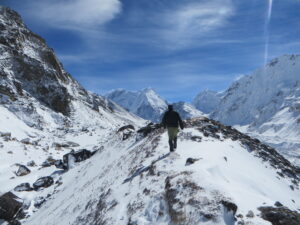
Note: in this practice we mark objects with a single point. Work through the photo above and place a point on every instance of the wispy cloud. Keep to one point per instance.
(196, 20)
(75, 14)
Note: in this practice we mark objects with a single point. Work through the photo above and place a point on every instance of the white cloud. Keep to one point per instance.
(76, 14)
(195, 20)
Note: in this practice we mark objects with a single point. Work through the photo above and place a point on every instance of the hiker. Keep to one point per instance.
(171, 120)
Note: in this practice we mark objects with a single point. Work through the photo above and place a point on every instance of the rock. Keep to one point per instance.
(190, 161)
(59, 164)
(48, 162)
(250, 214)
(43, 182)
(31, 163)
(39, 201)
(127, 127)
(278, 204)
(22, 171)
(150, 128)
(230, 206)
(280, 216)
(23, 187)
(68, 144)
(10, 205)
(196, 138)
(26, 141)
(5, 134)
(74, 157)
(14, 222)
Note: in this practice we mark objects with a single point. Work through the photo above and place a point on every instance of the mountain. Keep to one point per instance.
(149, 105)
(217, 176)
(266, 104)
(68, 156)
(145, 103)
(207, 101)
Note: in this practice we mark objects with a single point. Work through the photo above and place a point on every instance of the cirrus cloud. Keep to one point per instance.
(75, 14)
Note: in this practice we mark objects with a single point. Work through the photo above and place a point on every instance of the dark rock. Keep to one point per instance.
(43, 182)
(14, 222)
(39, 201)
(250, 214)
(130, 127)
(230, 206)
(278, 204)
(151, 128)
(10, 205)
(48, 162)
(68, 144)
(31, 163)
(5, 134)
(77, 156)
(280, 216)
(59, 164)
(196, 138)
(26, 141)
(23, 187)
(22, 171)
(190, 161)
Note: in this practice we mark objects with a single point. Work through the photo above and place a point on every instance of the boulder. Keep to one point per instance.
(31, 163)
(22, 171)
(5, 134)
(280, 216)
(10, 205)
(73, 157)
(48, 162)
(23, 187)
(43, 182)
(26, 141)
(190, 161)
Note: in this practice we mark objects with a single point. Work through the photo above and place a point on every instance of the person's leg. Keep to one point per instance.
(171, 137)
(176, 130)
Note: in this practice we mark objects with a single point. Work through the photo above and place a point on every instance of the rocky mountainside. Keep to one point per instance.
(266, 104)
(68, 156)
(149, 105)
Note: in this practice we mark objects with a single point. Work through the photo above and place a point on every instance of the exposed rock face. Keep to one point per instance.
(10, 205)
(280, 216)
(33, 64)
(77, 156)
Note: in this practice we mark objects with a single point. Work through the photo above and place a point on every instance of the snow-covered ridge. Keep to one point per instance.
(217, 176)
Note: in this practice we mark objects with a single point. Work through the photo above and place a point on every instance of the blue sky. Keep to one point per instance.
(177, 47)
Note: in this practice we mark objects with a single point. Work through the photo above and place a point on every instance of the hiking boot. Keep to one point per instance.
(175, 143)
(171, 146)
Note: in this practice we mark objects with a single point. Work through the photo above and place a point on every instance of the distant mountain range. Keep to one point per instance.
(149, 105)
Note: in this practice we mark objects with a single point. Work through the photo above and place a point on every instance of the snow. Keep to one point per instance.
(149, 105)
(244, 179)
(265, 104)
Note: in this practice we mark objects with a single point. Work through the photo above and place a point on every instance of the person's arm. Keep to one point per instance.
(180, 122)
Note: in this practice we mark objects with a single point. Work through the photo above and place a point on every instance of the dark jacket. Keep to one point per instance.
(172, 119)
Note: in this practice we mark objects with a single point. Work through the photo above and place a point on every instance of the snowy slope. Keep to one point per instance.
(207, 101)
(136, 181)
(43, 107)
(149, 105)
(266, 104)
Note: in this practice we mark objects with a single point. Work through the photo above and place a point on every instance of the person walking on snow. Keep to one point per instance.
(171, 120)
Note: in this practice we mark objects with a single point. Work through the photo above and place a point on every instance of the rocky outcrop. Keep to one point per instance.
(280, 215)
(23, 187)
(10, 206)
